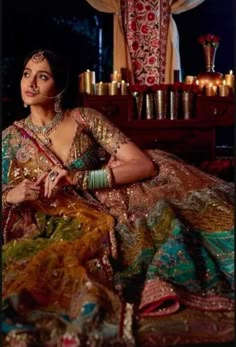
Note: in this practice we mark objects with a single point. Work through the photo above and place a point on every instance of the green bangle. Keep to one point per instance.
(99, 179)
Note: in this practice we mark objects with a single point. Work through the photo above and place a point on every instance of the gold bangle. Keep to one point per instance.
(110, 177)
(85, 180)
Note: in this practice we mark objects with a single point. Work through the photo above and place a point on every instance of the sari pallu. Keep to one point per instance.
(58, 278)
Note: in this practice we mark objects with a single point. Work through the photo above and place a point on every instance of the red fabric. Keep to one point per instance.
(146, 25)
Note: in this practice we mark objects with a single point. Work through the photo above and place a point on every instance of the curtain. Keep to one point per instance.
(146, 27)
(121, 57)
(172, 52)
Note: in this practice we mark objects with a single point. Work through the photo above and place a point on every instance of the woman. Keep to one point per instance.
(87, 250)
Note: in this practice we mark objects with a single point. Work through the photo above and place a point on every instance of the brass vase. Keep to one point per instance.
(211, 76)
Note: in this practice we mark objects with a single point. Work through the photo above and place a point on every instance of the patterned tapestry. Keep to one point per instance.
(146, 25)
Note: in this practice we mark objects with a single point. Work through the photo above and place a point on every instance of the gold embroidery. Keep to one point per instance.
(110, 137)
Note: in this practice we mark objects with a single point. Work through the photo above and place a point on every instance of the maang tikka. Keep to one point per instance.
(38, 57)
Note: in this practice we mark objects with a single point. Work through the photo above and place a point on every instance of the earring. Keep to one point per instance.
(57, 105)
(25, 105)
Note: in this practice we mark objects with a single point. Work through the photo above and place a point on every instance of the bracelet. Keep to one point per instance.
(99, 179)
(110, 177)
(94, 179)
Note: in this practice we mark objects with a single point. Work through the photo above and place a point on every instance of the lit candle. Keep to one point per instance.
(123, 88)
(209, 90)
(89, 81)
(113, 88)
(101, 88)
(214, 89)
(200, 85)
(224, 89)
(229, 79)
(190, 79)
(116, 76)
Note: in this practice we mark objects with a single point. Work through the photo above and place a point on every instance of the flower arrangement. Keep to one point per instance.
(209, 40)
(140, 88)
(156, 87)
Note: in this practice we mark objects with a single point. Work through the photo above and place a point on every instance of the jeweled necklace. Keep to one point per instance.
(45, 130)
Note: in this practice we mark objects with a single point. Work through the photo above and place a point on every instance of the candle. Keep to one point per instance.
(229, 79)
(101, 88)
(190, 79)
(81, 82)
(113, 88)
(224, 89)
(200, 86)
(123, 88)
(209, 90)
(89, 81)
(116, 76)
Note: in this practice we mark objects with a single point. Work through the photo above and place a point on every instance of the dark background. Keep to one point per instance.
(71, 27)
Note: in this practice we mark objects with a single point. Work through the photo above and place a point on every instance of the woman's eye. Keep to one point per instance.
(25, 74)
(43, 77)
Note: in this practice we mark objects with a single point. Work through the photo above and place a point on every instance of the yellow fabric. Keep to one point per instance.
(172, 51)
(121, 57)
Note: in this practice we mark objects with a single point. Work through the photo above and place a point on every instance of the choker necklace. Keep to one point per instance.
(45, 130)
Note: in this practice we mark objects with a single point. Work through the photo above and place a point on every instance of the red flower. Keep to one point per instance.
(135, 45)
(144, 29)
(150, 80)
(139, 6)
(209, 40)
(137, 65)
(154, 43)
(156, 87)
(176, 86)
(138, 88)
(152, 60)
(133, 26)
(151, 16)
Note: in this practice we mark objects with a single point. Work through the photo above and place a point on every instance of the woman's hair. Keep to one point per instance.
(58, 66)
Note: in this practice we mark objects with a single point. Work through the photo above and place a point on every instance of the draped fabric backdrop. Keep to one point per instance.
(149, 43)
(146, 25)
(121, 56)
(172, 52)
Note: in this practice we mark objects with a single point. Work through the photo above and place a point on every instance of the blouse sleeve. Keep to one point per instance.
(102, 129)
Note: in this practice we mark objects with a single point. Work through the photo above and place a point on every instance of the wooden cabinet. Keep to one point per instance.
(194, 140)
(118, 108)
(218, 109)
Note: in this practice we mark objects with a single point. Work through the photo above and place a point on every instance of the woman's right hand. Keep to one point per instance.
(24, 191)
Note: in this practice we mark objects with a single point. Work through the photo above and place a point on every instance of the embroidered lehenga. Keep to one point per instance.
(136, 264)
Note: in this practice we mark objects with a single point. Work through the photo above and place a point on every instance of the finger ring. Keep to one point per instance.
(52, 176)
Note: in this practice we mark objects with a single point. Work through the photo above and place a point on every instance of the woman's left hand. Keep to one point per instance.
(57, 176)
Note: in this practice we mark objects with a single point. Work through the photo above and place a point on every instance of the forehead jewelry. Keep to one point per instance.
(38, 57)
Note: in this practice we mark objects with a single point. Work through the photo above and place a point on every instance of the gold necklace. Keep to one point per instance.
(45, 130)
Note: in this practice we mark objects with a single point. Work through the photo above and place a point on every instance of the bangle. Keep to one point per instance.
(85, 180)
(110, 177)
(99, 179)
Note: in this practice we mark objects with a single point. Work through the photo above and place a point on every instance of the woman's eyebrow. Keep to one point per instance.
(41, 71)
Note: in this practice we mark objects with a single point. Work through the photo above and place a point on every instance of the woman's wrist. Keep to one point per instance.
(93, 179)
(5, 202)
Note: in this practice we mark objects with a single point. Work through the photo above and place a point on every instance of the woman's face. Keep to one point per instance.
(37, 83)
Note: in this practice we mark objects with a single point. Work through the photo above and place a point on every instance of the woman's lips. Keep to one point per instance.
(28, 93)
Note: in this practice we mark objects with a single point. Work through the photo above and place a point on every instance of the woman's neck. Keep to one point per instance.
(42, 115)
